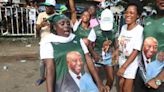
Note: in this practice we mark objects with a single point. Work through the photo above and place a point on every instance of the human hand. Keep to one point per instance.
(106, 45)
(44, 23)
(120, 71)
(103, 88)
(152, 84)
(96, 57)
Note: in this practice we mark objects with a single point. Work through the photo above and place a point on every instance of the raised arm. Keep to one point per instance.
(73, 11)
(92, 69)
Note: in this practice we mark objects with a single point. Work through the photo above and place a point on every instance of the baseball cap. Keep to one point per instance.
(49, 3)
(106, 21)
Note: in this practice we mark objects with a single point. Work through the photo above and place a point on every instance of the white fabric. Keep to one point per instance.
(107, 19)
(55, 38)
(46, 49)
(128, 41)
(84, 47)
(92, 35)
(74, 76)
(76, 25)
(52, 2)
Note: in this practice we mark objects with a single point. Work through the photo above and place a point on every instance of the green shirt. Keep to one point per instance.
(102, 36)
(81, 32)
(155, 27)
(60, 52)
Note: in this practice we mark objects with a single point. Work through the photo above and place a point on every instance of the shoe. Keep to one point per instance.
(39, 82)
(5, 33)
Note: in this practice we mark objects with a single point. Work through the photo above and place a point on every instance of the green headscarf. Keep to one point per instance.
(55, 18)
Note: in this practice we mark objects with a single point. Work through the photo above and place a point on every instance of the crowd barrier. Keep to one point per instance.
(17, 21)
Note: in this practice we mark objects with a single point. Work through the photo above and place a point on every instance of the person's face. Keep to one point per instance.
(49, 9)
(92, 10)
(131, 15)
(85, 16)
(75, 64)
(150, 48)
(63, 27)
(160, 56)
(160, 4)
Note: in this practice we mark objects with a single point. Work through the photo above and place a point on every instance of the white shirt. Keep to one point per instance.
(74, 76)
(145, 59)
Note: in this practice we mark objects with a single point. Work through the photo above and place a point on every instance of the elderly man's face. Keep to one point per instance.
(160, 4)
(75, 63)
(150, 48)
(160, 56)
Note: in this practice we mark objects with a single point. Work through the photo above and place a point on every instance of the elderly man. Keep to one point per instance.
(70, 81)
(140, 85)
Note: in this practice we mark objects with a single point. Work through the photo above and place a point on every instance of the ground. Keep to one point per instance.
(19, 65)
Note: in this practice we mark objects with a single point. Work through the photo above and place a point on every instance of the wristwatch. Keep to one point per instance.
(158, 82)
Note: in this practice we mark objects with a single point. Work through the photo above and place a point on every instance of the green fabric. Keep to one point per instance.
(60, 51)
(46, 4)
(55, 18)
(155, 27)
(81, 32)
(101, 37)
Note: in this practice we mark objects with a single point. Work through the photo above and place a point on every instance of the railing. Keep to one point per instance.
(17, 21)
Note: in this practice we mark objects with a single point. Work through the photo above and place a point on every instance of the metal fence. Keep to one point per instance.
(17, 21)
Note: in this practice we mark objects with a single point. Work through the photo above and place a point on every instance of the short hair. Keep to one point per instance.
(71, 54)
(139, 9)
(150, 38)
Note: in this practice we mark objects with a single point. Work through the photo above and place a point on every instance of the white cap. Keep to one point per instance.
(106, 21)
(49, 3)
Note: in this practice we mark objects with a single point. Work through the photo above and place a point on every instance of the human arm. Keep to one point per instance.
(46, 54)
(152, 82)
(50, 74)
(73, 11)
(41, 22)
(128, 62)
(92, 69)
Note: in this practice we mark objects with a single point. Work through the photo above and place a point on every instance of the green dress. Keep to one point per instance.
(60, 51)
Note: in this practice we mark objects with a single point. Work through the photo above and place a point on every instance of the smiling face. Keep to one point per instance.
(62, 27)
(85, 16)
(131, 14)
(160, 4)
(74, 62)
(150, 47)
(160, 56)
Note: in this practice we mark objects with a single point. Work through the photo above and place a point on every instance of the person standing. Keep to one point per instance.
(130, 42)
(55, 46)
(42, 28)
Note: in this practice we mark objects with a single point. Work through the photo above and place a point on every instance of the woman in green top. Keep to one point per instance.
(55, 46)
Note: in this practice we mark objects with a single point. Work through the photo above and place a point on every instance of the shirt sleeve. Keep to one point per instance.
(46, 51)
(139, 39)
(92, 35)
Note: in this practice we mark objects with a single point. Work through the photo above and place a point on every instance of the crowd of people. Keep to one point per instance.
(74, 52)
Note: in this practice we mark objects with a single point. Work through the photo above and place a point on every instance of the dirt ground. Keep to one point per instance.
(19, 65)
